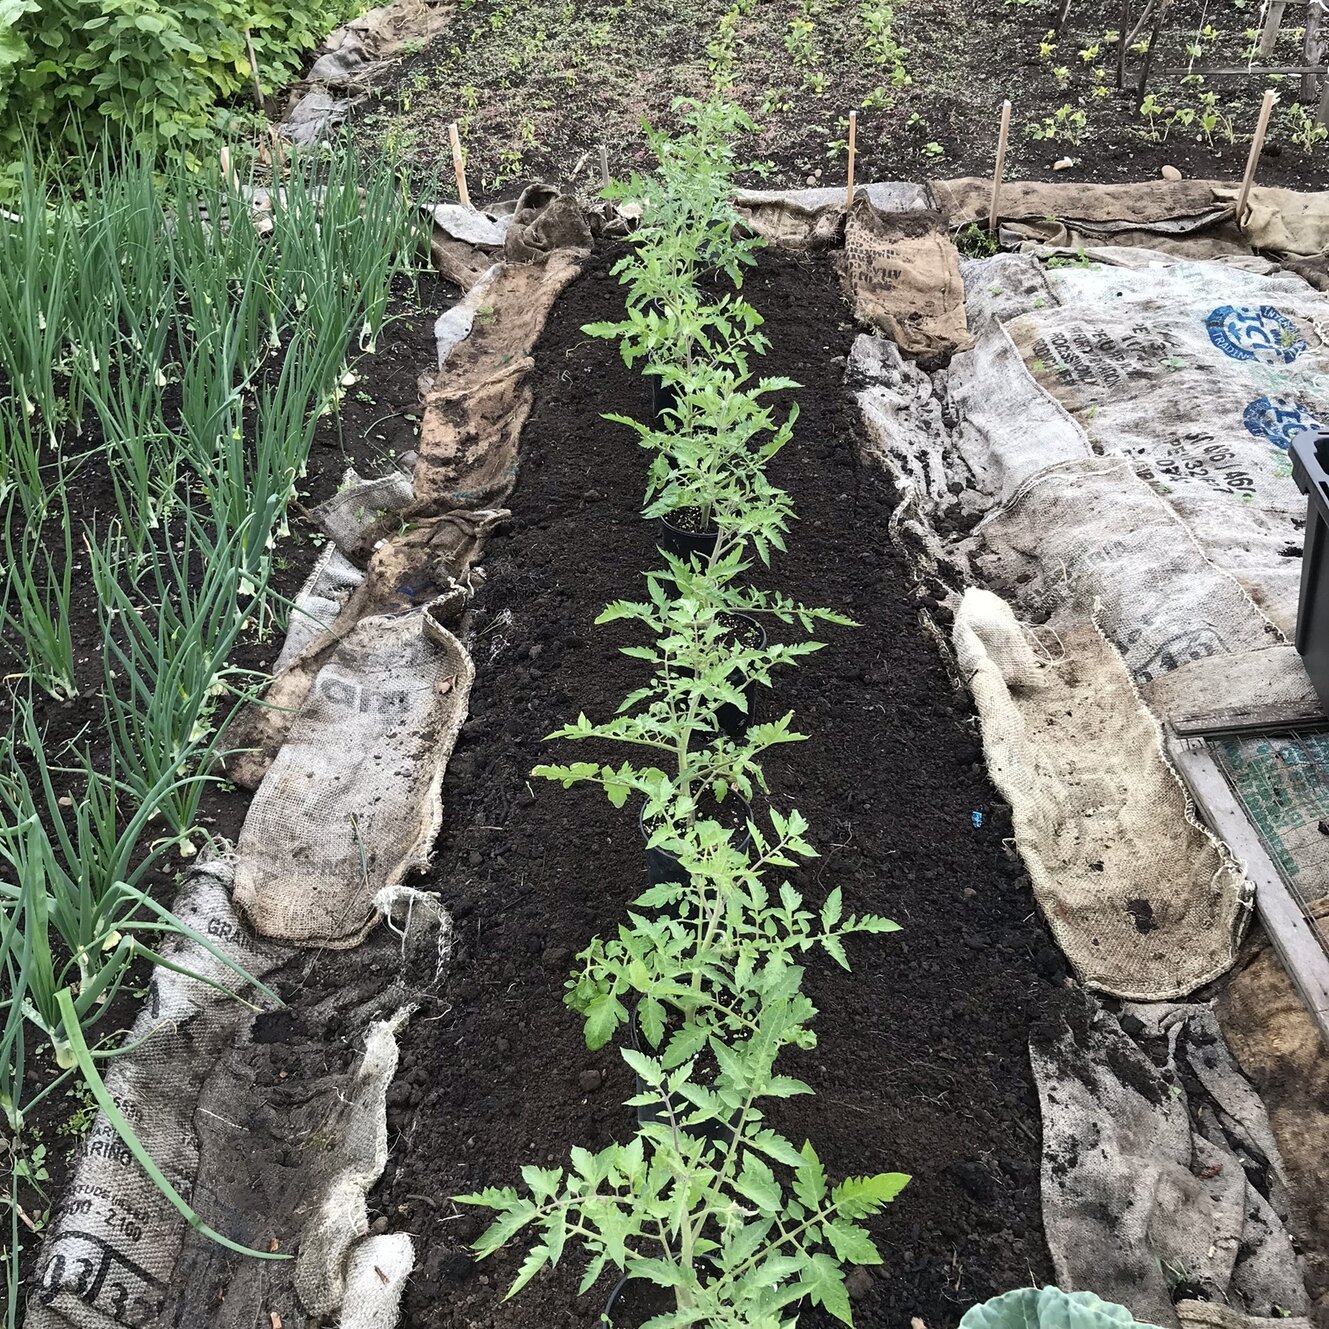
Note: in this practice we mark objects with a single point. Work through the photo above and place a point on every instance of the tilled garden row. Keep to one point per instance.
(921, 1064)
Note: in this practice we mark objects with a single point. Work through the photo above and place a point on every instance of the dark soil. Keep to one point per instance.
(377, 420)
(538, 86)
(922, 1061)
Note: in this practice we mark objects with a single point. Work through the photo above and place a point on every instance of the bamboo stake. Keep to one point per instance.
(604, 165)
(1002, 135)
(253, 71)
(853, 141)
(1257, 143)
(457, 165)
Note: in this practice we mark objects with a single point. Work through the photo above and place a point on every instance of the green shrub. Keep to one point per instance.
(68, 68)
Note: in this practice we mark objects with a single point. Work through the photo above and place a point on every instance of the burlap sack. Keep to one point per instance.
(903, 275)
(1145, 903)
(351, 803)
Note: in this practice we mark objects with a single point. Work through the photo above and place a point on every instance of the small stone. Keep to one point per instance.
(590, 1081)
(812, 179)
(378, 1226)
(1170, 173)
(859, 1283)
(475, 858)
(1063, 164)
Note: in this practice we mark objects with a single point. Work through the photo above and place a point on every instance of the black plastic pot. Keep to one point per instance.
(732, 720)
(633, 1301)
(1310, 469)
(718, 1132)
(682, 542)
(664, 397)
(662, 866)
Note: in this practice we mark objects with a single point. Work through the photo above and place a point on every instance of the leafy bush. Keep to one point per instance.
(154, 67)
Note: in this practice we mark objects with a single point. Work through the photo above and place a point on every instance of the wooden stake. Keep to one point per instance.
(1313, 49)
(457, 165)
(604, 165)
(1269, 33)
(278, 152)
(1121, 42)
(253, 72)
(1163, 7)
(853, 142)
(1002, 135)
(1257, 143)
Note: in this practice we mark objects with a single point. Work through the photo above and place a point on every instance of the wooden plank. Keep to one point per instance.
(1279, 718)
(1298, 947)
(1233, 724)
(1237, 71)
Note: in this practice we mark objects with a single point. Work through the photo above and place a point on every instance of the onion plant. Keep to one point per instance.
(166, 637)
(75, 916)
(77, 911)
(37, 589)
(203, 347)
(21, 459)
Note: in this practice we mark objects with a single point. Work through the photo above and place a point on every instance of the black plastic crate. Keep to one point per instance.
(1310, 469)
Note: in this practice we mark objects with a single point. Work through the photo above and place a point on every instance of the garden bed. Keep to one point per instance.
(537, 88)
(922, 1061)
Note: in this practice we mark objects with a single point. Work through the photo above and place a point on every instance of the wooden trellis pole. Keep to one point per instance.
(1163, 7)
(1313, 51)
(853, 143)
(1257, 143)
(1273, 20)
(1002, 135)
(458, 165)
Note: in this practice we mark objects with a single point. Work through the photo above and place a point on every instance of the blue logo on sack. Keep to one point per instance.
(1261, 334)
(1278, 420)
